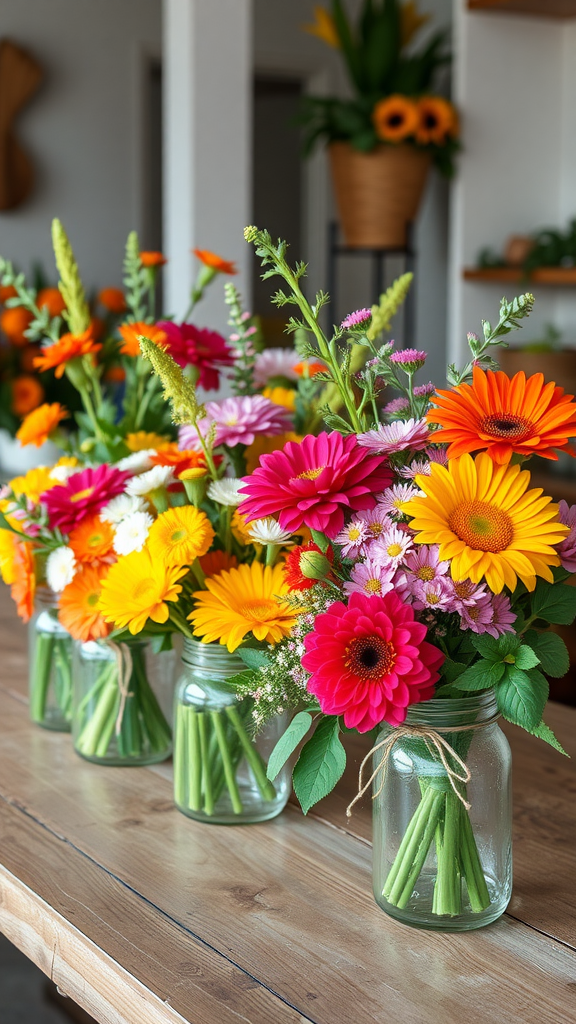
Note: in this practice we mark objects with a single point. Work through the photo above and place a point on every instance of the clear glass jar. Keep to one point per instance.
(219, 766)
(50, 667)
(117, 718)
(438, 865)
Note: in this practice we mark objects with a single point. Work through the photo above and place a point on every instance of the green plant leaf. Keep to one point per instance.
(320, 765)
(544, 732)
(554, 602)
(551, 650)
(481, 675)
(288, 742)
(521, 697)
(319, 539)
(526, 658)
(253, 658)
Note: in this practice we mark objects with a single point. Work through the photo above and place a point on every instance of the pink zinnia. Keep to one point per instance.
(314, 482)
(567, 548)
(200, 347)
(410, 359)
(83, 494)
(360, 318)
(239, 420)
(369, 661)
(396, 437)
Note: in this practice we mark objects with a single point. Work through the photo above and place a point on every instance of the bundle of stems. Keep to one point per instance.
(51, 680)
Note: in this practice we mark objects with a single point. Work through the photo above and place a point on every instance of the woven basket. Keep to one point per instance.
(377, 193)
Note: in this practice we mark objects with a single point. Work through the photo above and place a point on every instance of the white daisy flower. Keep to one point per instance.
(153, 480)
(61, 473)
(268, 531)
(137, 462)
(226, 491)
(60, 568)
(121, 506)
(132, 533)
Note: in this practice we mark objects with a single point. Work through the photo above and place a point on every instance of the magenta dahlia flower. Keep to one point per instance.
(200, 347)
(239, 420)
(369, 661)
(83, 494)
(314, 482)
(397, 436)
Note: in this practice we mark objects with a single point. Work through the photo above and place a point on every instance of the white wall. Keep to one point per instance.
(84, 129)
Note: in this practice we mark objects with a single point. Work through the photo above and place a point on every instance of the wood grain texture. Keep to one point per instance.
(271, 922)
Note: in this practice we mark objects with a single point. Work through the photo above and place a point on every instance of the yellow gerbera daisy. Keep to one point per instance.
(141, 441)
(487, 522)
(241, 601)
(281, 396)
(136, 589)
(8, 543)
(33, 483)
(180, 535)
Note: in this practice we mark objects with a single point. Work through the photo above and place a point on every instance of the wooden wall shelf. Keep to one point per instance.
(556, 276)
(544, 8)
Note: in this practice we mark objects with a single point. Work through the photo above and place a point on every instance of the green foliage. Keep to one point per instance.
(135, 280)
(511, 313)
(177, 388)
(522, 696)
(253, 658)
(77, 313)
(554, 602)
(390, 302)
(551, 650)
(288, 742)
(544, 732)
(320, 765)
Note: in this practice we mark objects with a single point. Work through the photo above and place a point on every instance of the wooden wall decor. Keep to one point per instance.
(20, 77)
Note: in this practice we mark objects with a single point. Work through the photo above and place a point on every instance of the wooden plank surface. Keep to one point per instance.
(141, 914)
(556, 276)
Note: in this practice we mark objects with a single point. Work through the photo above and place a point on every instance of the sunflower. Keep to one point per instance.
(131, 332)
(137, 588)
(437, 120)
(214, 262)
(40, 423)
(505, 416)
(395, 118)
(68, 347)
(142, 440)
(78, 606)
(241, 601)
(487, 522)
(92, 540)
(180, 536)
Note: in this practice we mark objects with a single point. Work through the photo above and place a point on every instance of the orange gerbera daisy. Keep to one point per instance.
(7, 291)
(92, 539)
(131, 332)
(504, 416)
(52, 299)
(437, 120)
(27, 393)
(210, 259)
(112, 299)
(78, 606)
(40, 423)
(14, 322)
(153, 259)
(181, 459)
(216, 561)
(307, 370)
(395, 118)
(24, 586)
(68, 347)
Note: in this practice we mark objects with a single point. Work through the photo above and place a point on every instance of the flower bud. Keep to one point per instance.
(314, 565)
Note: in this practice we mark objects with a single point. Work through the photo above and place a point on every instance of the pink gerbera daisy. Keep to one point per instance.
(314, 482)
(370, 577)
(200, 347)
(396, 437)
(83, 494)
(369, 661)
(239, 420)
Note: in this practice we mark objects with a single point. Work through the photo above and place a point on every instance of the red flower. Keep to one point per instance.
(293, 574)
(369, 661)
(83, 494)
(200, 347)
(313, 482)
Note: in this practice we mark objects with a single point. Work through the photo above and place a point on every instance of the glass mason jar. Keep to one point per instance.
(117, 718)
(219, 766)
(50, 667)
(437, 863)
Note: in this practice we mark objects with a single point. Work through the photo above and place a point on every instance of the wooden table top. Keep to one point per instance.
(145, 917)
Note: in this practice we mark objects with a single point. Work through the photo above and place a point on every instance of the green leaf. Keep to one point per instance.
(487, 646)
(551, 650)
(161, 642)
(320, 540)
(253, 658)
(287, 743)
(526, 658)
(481, 675)
(554, 602)
(451, 670)
(521, 697)
(544, 732)
(320, 765)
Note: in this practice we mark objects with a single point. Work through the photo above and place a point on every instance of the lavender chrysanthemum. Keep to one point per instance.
(396, 437)
(239, 420)
(370, 577)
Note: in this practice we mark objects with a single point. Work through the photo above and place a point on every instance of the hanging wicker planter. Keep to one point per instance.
(377, 193)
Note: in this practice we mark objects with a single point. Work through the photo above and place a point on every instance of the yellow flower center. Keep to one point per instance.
(506, 426)
(373, 587)
(375, 529)
(95, 540)
(310, 474)
(177, 536)
(353, 533)
(464, 588)
(144, 588)
(92, 600)
(82, 494)
(432, 598)
(394, 550)
(481, 526)
(258, 610)
(425, 573)
(231, 421)
(369, 657)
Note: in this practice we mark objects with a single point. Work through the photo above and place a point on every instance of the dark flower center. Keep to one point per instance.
(506, 426)
(369, 657)
(395, 120)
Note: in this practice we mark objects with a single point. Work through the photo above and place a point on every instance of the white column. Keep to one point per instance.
(207, 69)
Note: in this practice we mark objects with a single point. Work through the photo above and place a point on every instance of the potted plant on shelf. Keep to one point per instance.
(384, 138)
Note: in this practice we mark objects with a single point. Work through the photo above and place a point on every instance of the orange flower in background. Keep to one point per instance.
(27, 393)
(7, 291)
(131, 332)
(52, 299)
(216, 561)
(113, 300)
(115, 374)
(438, 120)
(396, 118)
(210, 259)
(91, 540)
(14, 322)
(97, 327)
(27, 357)
(305, 369)
(504, 416)
(142, 439)
(78, 606)
(153, 259)
(411, 21)
(24, 586)
(40, 423)
(323, 27)
(68, 347)
(180, 459)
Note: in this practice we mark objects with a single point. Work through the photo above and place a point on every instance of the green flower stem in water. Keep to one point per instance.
(51, 679)
(41, 673)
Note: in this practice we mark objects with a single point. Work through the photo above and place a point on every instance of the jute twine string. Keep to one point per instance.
(434, 742)
(124, 664)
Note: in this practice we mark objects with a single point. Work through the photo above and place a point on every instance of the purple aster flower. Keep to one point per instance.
(467, 594)
(375, 522)
(502, 616)
(370, 577)
(424, 564)
(410, 359)
(239, 420)
(567, 548)
(478, 616)
(397, 405)
(360, 318)
(352, 537)
(391, 547)
(435, 595)
(423, 390)
(396, 437)
(391, 499)
(275, 362)
(421, 467)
